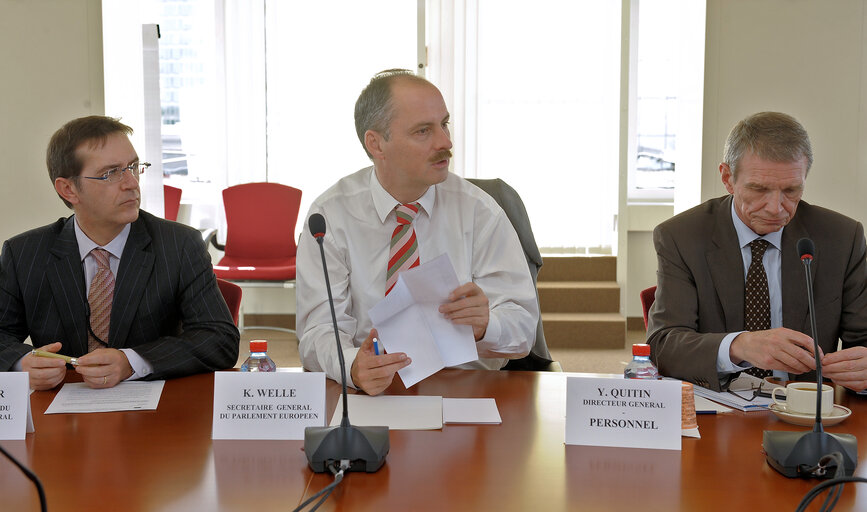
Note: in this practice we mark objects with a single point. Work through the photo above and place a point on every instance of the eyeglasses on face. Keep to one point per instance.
(116, 174)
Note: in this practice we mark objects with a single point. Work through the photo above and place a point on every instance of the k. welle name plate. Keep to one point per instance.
(15, 417)
(627, 413)
(272, 405)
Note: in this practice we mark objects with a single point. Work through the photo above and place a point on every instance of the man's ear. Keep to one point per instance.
(67, 190)
(373, 141)
(727, 178)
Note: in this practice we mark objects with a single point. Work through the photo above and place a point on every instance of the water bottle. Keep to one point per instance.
(258, 360)
(641, 367)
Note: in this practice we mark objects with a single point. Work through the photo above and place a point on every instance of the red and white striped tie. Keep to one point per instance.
(403, 254)
(99, 297)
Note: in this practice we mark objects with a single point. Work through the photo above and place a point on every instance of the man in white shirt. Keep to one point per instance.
(402, 123)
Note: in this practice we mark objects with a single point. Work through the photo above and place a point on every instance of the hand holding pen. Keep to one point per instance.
(45, 372)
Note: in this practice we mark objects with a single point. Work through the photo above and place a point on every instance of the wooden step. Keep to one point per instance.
(578, 268)
(579, 296)
(584, 330)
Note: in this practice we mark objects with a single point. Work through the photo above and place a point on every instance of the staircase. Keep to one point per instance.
(580, 302)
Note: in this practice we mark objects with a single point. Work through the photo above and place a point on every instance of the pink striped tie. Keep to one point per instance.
(403, 254)
(99, 298)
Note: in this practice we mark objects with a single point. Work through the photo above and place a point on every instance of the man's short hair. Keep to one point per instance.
(771, 136)
(62, 158)
(373, 109)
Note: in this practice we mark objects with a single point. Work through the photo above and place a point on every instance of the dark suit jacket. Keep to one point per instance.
(700, 279)
(167, 306)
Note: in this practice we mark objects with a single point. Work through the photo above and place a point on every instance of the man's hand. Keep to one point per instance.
(373, 373)
(847, 367)
(468, 305)
(104, 367)
(45, 372)
(775, 349)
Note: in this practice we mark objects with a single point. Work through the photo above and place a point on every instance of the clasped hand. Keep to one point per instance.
(102, 368)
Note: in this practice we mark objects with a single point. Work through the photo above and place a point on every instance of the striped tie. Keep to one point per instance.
(99, 298)
(403, 254)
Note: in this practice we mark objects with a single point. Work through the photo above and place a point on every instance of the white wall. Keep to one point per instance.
(807, 58)
(51, 57)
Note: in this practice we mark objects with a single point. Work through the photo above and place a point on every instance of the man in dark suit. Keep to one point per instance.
(131, 295)
(697, 327)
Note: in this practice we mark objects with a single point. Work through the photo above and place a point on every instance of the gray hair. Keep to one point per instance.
(771, 136)
(373, 109)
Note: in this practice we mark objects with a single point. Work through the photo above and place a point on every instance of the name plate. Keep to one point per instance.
(15, 417)
(627, 413)
(266, 405)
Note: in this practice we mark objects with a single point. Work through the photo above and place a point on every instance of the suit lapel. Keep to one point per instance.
(727, 268)
(794, 284)
(136, 267)
(66, 277)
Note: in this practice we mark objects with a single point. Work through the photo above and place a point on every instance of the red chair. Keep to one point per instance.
(647, 298)
(232, 295)
(260, 236)
(172, 201)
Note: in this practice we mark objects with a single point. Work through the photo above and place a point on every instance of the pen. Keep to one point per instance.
(705, 412)
(41, 353)
(376, 346)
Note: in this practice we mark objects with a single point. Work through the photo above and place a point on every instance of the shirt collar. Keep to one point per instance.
(85, 244)
(747, 235)
(385, 203)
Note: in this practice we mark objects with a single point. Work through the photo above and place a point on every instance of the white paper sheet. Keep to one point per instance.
(394, 412)
(408, 320)
(127, 396)
(471, 410)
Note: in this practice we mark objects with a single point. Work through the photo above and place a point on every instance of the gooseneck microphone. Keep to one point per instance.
(347, 447)
(798, 454)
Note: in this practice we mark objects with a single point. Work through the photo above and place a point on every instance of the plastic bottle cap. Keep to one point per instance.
(641, 349)
(258, 346)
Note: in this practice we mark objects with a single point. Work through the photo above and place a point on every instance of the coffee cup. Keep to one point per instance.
(801, 398)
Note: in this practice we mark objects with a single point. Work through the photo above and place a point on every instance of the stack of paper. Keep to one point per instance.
(741, 394)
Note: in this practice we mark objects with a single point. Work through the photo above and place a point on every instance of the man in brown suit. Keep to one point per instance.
(696, 327)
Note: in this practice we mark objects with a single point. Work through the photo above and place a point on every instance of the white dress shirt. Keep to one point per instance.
(140, 367)
(772, 261)
(457, 218)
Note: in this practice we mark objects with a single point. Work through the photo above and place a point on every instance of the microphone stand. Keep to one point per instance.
(354, 448)
(797, 454)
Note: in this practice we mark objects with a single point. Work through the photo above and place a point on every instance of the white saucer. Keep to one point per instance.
(837, 414)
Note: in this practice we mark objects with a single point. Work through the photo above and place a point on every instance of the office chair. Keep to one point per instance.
(232, 295)
(260, 237)
(647, 297)
(172, 201)
(539, 358)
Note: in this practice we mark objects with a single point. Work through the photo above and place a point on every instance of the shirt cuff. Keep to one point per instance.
(493, 331)
(140, 367)
(724, 364)
(348, 358)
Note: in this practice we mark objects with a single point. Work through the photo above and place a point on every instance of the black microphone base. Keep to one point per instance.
(364, 447)
(793, 453)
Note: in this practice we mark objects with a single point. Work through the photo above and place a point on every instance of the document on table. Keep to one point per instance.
(471, 410)
(394, 412)
(126, 396)
(740, 394)
(408, 320)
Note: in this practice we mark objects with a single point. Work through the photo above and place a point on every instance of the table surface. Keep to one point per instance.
(166, 460)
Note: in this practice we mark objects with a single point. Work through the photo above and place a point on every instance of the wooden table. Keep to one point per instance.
(166, 460)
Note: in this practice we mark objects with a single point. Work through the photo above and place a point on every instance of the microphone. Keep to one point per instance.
(362, 448)
(797, 454)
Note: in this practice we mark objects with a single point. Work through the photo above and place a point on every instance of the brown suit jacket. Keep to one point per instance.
(700, 279)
